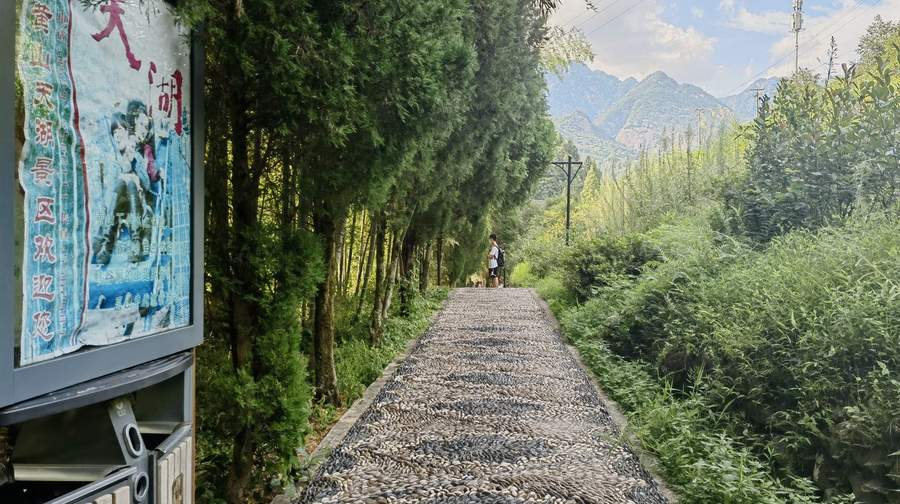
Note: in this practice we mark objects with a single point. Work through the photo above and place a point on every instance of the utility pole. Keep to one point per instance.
(796, 28)
(567, 171)
(758, 90)
(699, 131)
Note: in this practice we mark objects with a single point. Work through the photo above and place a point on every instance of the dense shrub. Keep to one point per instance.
(602, 261)
(806, 338)
(694, 451)
(802, 340)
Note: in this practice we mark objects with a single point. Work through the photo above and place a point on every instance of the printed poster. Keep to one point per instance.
(104, 174)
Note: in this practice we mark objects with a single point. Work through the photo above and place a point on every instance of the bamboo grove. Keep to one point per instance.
(349, 145)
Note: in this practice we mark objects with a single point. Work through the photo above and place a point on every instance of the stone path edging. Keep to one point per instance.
(615, 411)
(339, 431)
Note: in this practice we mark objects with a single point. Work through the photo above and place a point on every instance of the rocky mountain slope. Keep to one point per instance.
(605, 116)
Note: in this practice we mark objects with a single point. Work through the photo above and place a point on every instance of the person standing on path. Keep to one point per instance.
(493, 265)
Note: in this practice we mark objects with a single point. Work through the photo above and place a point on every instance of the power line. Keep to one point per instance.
(820, 41)
(616, 17)
(601, 11)
(780, 61)
(582, 13)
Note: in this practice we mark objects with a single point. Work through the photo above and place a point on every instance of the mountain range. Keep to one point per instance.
(605, 116)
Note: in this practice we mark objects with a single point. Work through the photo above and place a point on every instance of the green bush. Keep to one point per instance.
(603, 261)
(695, 453)
(803, 340)
(806, 338)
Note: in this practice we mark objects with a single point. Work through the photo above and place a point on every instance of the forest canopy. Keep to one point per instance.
(350, 144)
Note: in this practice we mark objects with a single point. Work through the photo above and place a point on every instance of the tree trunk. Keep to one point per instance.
(423, 273)
(245, 309)
(350, 254)
(392, 276)
(326, 384)
(376, 328)
(364, 241)
(339, 255)
(440, 257)
(364, 286)
(407, 257)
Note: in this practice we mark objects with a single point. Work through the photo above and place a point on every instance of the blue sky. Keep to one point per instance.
(719, 45)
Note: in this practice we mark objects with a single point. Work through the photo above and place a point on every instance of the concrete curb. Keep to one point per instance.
(339, 430)
(648, 460)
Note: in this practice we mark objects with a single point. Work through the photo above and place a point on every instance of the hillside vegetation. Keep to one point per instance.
(609, 118)
(742, 303)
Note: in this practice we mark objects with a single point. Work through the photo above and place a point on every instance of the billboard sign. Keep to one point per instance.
(103, 226)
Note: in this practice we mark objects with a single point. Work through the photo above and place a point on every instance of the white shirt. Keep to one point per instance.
(495, 251)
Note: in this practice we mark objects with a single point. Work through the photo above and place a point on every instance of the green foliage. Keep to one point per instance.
(695, 453)
(603, 262)
(879, 42)
(819, 153)
(271, 394)
(800, 342)
(359, 364)
(563, 48)
(754, 337)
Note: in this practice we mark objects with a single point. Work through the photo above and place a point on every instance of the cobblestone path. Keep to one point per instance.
(489, 408)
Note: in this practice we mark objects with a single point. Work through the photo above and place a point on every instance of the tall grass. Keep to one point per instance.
(798, 344)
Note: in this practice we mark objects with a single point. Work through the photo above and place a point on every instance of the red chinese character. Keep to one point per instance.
(115, 12)
(42, 94)
(42, 14)
(171, 91)
(44, 249)
(62, 18)
(62, 35)
(41, 325)
(39, 58)
(42, 171)
(45, 210)
(151, 72)
(44, 131)
(40, 288)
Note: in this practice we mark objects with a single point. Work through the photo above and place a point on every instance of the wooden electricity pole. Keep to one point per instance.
(567, 171)
(757, 89)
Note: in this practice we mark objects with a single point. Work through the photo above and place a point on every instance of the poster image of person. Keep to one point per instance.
(126, 203)
(135, 234)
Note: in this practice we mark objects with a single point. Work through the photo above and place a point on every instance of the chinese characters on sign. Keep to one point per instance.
(105, 170)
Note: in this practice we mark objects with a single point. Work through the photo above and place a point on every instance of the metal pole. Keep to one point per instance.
(699, 131)
(757, 89)
(568, 197)
(797, 27)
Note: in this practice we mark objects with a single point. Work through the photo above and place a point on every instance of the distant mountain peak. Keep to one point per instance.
(659, 75)
(603, 114)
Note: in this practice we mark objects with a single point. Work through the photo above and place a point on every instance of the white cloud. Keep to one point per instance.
(698, 13)
(641, 42)
(847, 22)
(738, 17)
(748, 72)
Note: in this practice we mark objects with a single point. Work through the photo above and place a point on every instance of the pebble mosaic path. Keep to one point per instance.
(490, 408)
